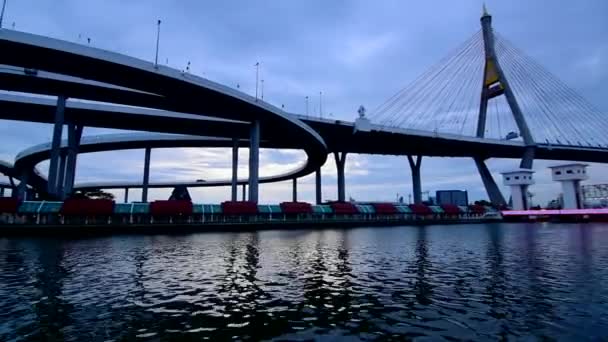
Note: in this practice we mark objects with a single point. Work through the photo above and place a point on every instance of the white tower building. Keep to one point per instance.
(570, 175)
(362, 124)
(519, 180)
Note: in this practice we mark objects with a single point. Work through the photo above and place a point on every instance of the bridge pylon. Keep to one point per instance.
(495, 83)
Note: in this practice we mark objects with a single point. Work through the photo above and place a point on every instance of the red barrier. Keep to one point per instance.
(171, 208)
(9, 205)
(344, 208)
(420, 209)
(450, 209)
(384, 208)
(296, 208)
(239, 208)
(87, 207)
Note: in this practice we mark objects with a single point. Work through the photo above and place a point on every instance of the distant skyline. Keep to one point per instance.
(355, 52)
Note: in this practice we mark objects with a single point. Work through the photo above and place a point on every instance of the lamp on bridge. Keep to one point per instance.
(519, 180)
(570, 175)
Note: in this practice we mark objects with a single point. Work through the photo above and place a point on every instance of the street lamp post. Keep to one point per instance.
(157, 41)
(321, 104)
(262, 86)
(306, 105)
(257, 75)
(2, 13)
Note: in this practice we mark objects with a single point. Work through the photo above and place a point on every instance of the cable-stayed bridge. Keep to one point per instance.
(447, 99)
(486, 99)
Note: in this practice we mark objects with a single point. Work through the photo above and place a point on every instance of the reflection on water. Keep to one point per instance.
(452, 282)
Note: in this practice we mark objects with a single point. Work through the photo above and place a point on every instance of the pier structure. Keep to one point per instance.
(570, 177)
(519, 180)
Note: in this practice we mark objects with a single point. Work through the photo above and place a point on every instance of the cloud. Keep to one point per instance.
(355, 52)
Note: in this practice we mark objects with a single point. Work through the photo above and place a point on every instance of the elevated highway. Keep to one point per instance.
(69, 70)
(111, 90)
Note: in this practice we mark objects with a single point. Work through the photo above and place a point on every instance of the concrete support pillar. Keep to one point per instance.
(254, 160)
(294, 196)
(528, 158)
(61, 174)
(318, 194)
(235, 166)
(416, 178)
(244, 192)
(492, 189)
(519, 198)
(144, 189)
(340, 158)
(22, 187)
(571, 195)
(13, 187)
(74, 136)
(56, 146)
(126, 195)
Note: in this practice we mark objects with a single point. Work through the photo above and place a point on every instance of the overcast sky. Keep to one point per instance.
(355, 52)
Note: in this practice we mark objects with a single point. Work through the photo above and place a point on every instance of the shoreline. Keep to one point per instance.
(28, 230)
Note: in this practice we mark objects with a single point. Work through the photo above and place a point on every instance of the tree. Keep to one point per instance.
(93, 194)
(484, 203)
(180, 193)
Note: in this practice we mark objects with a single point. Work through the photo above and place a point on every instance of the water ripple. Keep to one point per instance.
(496, 281)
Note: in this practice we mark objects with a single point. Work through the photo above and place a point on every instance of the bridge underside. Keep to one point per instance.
(339, 137)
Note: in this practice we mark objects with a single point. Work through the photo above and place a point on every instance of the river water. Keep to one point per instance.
(481, 282)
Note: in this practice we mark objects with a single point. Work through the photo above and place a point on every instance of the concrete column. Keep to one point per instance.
(13, 187)
(235, 166)
(56, 145)
(126, 195)
(416, 178)
(22, 187)
(492, 189)
(319, 196)
(340, 158)
(295, 190)
(61, 175)
(254, 160)
(244, 192)
(74, 136)
(528, 158)
(1, 191)
(144, 189)
(518, 196)
(571, 195)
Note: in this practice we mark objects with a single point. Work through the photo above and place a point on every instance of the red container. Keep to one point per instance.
(87, 207)
(171, 208)
(420, 209)
(450, 209)
(344, 208)
(239, 208)
(296, 208)
(385, 208)
(9, 205)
